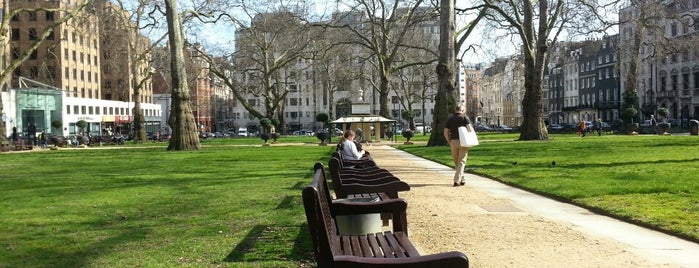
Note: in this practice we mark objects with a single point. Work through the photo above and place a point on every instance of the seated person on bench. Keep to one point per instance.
(348, 148)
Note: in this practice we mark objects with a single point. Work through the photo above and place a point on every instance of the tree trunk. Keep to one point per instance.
(445, 100)
(533, 126)
(184, 128)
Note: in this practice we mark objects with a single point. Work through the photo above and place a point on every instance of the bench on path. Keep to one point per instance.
(348, 183)
(384, 249)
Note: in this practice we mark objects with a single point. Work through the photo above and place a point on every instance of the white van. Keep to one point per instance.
(243, 132)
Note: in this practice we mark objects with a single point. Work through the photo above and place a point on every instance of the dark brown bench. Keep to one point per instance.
(363, 162)
(349, 183)
(385, 249)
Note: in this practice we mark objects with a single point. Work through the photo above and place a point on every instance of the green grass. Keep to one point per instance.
(223, 206)
(652, 180)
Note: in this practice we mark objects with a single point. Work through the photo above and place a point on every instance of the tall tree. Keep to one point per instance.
(538, 25)
(184, 129)
(122, 26)
(446, 93)
(449, 46)
(384, 28)
(265, 64)
(8, 63)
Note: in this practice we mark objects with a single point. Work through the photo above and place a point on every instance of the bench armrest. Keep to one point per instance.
(445, 259)
(360, 162)
(365, 174)
(369, 181)
(349, 207)
(390, 188)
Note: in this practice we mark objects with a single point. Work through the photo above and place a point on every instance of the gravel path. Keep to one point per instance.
(493, 232)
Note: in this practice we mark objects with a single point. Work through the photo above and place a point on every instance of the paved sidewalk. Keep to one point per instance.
(500, 226)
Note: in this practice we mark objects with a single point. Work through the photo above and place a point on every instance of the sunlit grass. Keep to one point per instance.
(648, 179)
(235, 206)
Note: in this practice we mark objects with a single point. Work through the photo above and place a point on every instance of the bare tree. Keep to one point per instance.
(382, 32)
(184, 128)
(266, 62)
(449, 46)
(538, 24)
(446, 93)
(122, 26)
(10, 63)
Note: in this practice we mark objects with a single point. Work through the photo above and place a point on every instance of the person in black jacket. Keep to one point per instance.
(451, 133)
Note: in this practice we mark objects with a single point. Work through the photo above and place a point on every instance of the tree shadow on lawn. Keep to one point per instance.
(262, 243)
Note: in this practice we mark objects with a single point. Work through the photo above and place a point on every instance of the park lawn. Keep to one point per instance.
(222, 206)
(651, 180)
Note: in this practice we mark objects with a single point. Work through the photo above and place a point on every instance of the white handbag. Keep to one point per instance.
(467, 138)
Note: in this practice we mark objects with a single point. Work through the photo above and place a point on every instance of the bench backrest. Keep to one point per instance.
(316, 203)
(334, 166)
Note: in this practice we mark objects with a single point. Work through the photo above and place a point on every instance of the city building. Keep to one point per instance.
(67, 63)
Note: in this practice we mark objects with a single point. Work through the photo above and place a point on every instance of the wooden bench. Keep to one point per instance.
(385, 249)
(349, 183)
(363, 162)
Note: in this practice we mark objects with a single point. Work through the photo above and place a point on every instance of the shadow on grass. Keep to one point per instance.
(264, 242)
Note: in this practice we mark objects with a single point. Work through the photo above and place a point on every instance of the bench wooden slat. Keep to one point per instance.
(356, 246)
(408, 246)
(346, 245)
(375, 247)
(366, 248)
(385, 246)
(398, 247)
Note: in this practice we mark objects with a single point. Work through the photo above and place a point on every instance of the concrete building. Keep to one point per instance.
(67, 63)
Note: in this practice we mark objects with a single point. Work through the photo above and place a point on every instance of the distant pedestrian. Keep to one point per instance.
(42, 140)
(451, 133)
(653, 123)
(31, 129)
(582, 128)
(599, 126)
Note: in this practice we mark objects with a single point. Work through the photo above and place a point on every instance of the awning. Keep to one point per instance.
(363, 119)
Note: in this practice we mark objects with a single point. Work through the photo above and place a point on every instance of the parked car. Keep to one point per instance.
(483, 128)
(503, 128)
(339, 132)
(242, 132)
(554, 127)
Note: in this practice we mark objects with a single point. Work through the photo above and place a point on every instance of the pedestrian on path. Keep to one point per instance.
(451, 133)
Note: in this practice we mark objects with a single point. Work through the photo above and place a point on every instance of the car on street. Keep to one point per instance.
(554, 127)
(483, 128)
(503, 128)
(242, 132)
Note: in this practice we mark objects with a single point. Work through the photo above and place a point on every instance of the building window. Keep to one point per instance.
(67, 73)
(50, 15)
(32, 34)
(75, 109)
(32, 15)
(33, 72)
(34, 55)
(15, 53)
